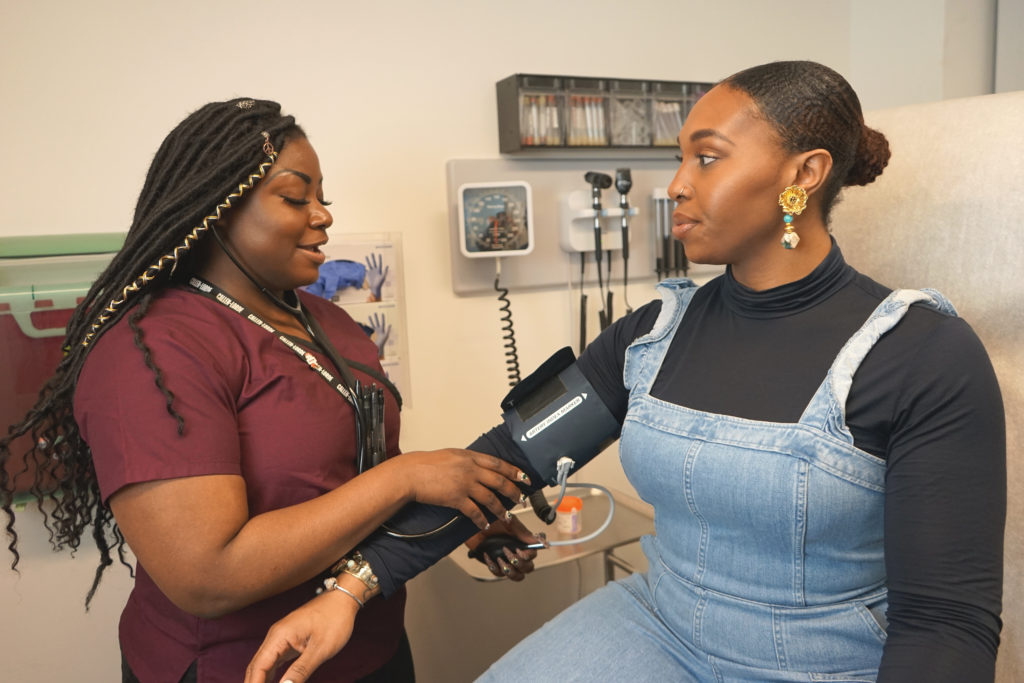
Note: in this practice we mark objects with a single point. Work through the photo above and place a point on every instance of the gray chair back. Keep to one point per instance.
(948, 213)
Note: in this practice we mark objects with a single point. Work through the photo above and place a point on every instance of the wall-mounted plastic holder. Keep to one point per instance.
(629, 119)
(572, 112)
(42, 280)
(576, 224)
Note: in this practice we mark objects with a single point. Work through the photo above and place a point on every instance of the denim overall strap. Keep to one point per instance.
(641, 369)
(827, 409)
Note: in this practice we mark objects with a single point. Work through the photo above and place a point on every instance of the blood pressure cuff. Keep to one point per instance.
(555, 413)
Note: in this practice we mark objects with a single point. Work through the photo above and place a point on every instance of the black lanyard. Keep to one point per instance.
(367, 402)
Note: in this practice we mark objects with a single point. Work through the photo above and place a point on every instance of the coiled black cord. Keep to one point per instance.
(511, 354)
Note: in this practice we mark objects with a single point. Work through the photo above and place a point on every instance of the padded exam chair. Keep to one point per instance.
(948, 213)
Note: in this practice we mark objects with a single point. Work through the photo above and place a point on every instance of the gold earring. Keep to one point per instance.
(793, 201)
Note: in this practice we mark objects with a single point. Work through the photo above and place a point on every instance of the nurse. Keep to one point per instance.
(204, 415)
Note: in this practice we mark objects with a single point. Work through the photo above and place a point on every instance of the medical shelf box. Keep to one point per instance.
(537, 105)
(42, 279)
(629, 115)
(586, 118)
(671, 103)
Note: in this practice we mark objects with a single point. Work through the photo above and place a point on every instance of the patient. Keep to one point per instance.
(825, 455)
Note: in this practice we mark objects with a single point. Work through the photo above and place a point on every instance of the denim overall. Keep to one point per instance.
(767, 561)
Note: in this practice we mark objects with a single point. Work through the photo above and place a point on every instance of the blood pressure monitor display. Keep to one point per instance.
(495, 219)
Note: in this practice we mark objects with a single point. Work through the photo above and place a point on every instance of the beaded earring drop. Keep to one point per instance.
(793, 201)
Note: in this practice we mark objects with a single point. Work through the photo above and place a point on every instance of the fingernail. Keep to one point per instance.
(487, 526)
(522, 498)
(523, 478)
(508, 515)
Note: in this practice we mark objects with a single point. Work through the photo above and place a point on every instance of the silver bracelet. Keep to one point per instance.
(357, 566)
(331, 583)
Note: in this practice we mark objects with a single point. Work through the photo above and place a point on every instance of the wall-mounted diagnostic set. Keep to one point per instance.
(556, 210)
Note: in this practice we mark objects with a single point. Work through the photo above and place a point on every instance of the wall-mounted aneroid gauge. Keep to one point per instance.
(495, 219)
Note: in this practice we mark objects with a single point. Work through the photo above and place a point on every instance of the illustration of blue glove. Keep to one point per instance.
(335, 275)
(376, 275)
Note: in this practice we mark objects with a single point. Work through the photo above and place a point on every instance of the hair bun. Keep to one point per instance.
(871, 158)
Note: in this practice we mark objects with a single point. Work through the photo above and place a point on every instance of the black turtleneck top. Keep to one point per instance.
(925, 399)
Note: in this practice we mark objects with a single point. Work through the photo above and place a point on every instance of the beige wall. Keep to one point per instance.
(387, 92)
(915, 51)
(1009, 72)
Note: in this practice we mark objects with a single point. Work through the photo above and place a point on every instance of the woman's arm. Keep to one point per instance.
(225, 505)
(944, 516)
(318, 630)
(313, 633)
(396, 561)
(195, 538)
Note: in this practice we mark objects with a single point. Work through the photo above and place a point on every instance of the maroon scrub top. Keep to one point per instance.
(253, 408)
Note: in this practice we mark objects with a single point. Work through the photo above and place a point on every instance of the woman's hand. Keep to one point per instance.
(516, 564)
(314, 633)
(464, 480)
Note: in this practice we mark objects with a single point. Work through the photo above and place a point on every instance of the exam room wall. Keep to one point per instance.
(388, 93)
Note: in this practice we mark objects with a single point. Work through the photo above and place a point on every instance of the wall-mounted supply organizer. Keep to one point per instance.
(572, 112)
(42, 280)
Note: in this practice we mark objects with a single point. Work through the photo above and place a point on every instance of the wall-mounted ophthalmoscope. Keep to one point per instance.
(623, 183)
(598, 182)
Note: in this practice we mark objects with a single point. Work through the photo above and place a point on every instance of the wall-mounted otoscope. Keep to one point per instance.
(598, 182)
(623, 183)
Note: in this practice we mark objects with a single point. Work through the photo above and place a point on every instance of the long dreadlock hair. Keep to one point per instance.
(203, 167)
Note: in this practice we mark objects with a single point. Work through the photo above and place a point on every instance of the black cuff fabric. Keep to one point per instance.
(396, 560)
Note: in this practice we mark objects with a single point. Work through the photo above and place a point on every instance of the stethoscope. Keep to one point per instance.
(367, 402)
